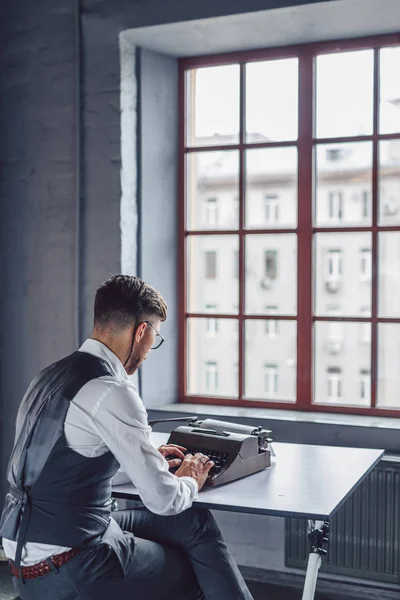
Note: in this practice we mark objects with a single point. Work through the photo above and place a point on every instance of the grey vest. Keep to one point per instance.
(58, 496)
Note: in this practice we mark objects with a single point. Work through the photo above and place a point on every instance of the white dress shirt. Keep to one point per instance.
(107, 414)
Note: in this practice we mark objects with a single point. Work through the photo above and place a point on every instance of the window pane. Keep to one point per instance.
(389, 274)
(271, 188)
(390, 90)
(213, 106)
(341, 366)
(271, 364)
(271, 273)
(210, 268)
(343, 271)
(343, 185)
(212, 360)
(389, 182)
(213, 190)
(344, 94)
(272, 100)
(388, 365)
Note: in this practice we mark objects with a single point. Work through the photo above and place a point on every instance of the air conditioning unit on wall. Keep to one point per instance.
(332, 285)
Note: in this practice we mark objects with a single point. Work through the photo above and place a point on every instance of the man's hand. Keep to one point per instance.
(173, 450)
(197, 466)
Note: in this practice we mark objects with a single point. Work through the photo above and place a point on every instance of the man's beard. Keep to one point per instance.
(134, 363)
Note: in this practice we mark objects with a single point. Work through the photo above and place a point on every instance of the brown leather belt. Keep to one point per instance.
(43, 568)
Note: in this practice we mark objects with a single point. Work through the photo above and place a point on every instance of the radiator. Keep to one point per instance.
(365, 532)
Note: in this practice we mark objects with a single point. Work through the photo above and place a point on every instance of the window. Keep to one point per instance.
(335, 206)
(334, 154)
(334, 383)
(365, 313)
(365, 384)
(335, 327)
(211, 212)
(212, 324)
(304, 174)
(271, 380)
(271, 264)
(271, 209)
(334, 265)
(211, 370)
(365, 264)
(364, 205)
(210, 261)
(271, 326)
(236, 264)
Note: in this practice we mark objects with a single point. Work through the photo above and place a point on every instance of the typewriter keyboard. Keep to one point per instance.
(219, 458)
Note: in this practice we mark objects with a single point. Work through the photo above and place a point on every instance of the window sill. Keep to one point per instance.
(283, 415)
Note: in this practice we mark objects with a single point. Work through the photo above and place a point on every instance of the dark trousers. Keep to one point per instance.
(181, 557)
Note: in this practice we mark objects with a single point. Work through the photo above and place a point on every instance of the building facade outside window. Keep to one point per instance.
(271, 380)
(335, 202)
(211, 216)
(210, 263)
(334, 379)
(211, 324)
(271, 325)
(212, 377)
(294, 154)
(334, 265)
(271, 209)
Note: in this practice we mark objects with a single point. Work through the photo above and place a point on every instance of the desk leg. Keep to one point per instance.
(318, 533)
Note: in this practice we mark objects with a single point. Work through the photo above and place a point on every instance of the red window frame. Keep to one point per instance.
(305, 228)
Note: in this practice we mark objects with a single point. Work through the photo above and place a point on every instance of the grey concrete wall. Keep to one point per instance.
(37, 199)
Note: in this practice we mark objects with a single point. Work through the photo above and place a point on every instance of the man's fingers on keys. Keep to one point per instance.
(209, 465)
(203, 459)
(174, 462)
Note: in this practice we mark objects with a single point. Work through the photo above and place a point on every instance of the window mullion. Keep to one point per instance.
(305, 242)
(242, 269)
(374, 286)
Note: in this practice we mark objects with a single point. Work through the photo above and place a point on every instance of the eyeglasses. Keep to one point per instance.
(159, 338)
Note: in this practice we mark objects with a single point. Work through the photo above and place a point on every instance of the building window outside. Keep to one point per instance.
(271, 326)
(211, 324)
(335, 206)
(335, 327)
(271, 264)
(365, 327)
(210, 262)
(365, 264)
(334, 265)
(212, 377)
(334, 376)
(271, 209)
(365, 384)
(211, 212)
(335, 153)
(364, 205)
(271, 380)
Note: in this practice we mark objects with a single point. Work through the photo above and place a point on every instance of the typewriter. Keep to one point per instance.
(237, 450)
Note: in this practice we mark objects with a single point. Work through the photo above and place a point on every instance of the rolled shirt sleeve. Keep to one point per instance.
(120, 419)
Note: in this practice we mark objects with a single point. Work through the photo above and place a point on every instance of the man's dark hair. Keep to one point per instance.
(123, 300)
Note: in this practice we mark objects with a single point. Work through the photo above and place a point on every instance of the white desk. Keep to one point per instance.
(304, 481)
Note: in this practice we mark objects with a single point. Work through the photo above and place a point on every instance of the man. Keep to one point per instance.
(79, 420)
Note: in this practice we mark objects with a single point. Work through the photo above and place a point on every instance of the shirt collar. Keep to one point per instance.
(101, 351)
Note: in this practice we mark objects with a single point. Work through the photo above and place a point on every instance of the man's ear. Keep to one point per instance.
(140, 331)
